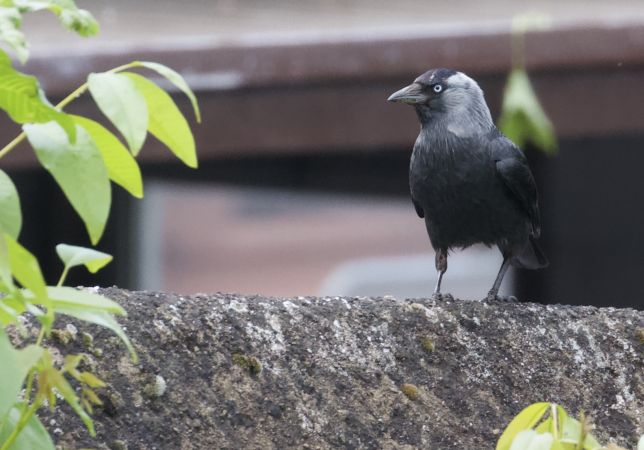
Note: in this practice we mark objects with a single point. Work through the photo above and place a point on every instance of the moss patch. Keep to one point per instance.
(250, 363)
(410, 391)
(427, 344)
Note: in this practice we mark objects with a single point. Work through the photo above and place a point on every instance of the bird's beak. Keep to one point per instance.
(411, 94)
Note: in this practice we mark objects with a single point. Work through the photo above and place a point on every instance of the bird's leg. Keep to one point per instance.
(441, 267)
(493, 294)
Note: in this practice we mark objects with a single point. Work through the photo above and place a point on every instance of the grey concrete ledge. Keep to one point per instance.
(226, 371)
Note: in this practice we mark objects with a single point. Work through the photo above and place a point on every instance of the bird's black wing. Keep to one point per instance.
(419, 210)
(512, 167)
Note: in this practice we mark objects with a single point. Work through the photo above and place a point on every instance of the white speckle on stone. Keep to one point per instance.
(273, 336)
(274, 322)
(292, 309)
(237, 306)
(73, 331)
(160, 386)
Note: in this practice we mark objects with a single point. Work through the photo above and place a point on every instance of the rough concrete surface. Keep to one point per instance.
(226, 371)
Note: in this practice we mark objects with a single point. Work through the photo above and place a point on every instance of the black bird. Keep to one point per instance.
(468, 181)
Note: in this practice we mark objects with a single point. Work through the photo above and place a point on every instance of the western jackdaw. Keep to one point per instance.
(468, 181)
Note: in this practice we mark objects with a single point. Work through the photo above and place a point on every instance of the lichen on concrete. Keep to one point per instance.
(337, 372)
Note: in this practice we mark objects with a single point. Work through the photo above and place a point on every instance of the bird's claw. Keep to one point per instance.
(491, 297)
(437, 296)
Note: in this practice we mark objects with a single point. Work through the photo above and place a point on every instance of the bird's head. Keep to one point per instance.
(448, 94)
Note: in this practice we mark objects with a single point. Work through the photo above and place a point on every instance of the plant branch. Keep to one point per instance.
(64, 102)
(13, 144)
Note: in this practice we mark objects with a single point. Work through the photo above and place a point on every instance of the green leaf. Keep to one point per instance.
(10, 23)
(25, 268)
(545, 426)
(65, 389)
(68, 298)
(24, 101)
(10, 309)
(73, 18)
(71, 362)
(121, 166)
(70, 16)
(118, 98)
(92, 380)
(525, 420)
(15, 367)
(531, 440)
(6, 279)
(78, 169)
(522, 118)
(103, 319)
(10, 215)
(72, 256)
(176, 79)
(571, 432)
(165, 121)
(7, 314)
(33, 436)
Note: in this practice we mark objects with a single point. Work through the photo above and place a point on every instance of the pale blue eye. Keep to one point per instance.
(438, 88)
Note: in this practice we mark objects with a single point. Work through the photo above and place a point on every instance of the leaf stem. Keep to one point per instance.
(73, 96)
(63, 276)
(13, 144)
(555, 421)
(30, 379)
(518, 49)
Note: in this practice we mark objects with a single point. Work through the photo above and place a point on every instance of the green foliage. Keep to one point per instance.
(15, 367)
(531, 440)
(11, 217)
(119, 99)
(165, 121)
(526, 419)
(175, 79)
(25, 268)
(78, 169)
(33, 436)
(73, 255)
(523, 119)
(71, 17)
(547, 426)
(24, 101)
(83, 156)
(121, 165)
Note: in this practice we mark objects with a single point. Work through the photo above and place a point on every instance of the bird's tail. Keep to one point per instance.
(532, 257)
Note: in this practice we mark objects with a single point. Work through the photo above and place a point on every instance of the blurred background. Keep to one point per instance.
(302, 187)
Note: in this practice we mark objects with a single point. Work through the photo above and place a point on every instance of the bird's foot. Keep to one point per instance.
(492, 297)
(437, 296)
